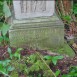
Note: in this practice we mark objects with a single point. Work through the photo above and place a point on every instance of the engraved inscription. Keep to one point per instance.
(33, 6)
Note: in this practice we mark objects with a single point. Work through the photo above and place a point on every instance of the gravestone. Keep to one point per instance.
(35, 24)
(28, 9)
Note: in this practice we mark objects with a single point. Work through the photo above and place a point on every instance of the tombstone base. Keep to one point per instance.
(42, 33)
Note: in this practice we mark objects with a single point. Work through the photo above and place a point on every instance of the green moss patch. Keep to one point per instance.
(65, 50)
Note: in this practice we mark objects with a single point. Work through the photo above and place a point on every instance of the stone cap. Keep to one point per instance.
(29, 9)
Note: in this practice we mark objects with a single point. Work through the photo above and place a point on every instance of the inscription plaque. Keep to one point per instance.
(33, 8)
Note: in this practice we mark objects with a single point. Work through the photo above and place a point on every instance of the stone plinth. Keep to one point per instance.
(38, 29)
(45, 34)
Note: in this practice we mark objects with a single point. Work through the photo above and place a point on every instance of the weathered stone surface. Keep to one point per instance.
(35, 25)
(41, 33)
(33, 8)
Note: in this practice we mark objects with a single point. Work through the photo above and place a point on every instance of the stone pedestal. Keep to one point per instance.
(43, 32)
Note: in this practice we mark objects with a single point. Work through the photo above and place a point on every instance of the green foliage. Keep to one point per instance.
(67, 18)
(4, 39)
(14, 74)
(1, 8)
(72, 72)
(75, 8)
(6, 9)
(31, 66)
(16, 54)
(57, 73)
(36, 63)
(4, 13)
(47, 73)
(10, 52)
(9, 2)
(4, 29)
(5, 68)
(54, 59)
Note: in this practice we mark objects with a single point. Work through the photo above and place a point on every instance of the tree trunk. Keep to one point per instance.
(65, 7)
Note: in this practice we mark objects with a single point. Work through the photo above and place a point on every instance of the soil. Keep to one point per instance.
(62, 65)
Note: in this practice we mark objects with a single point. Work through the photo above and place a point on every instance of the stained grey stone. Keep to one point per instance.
(43, 30)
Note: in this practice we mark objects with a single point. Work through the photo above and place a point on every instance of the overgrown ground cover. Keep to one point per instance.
(27, 62)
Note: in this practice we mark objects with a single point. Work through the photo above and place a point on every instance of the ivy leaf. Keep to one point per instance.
(4, 29)
(75, 8)
(33, 58)
(1, 3)
(17, 53)
(6, 62)
(56, 58)
(9, 50)
(5, 38)
(1, 38)
(6, 9)
(18, 50)
(10, 68)
(3, 70)
(48, 57)
(54, 61)
(57, 73)
(67, 18)
(53, 58)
